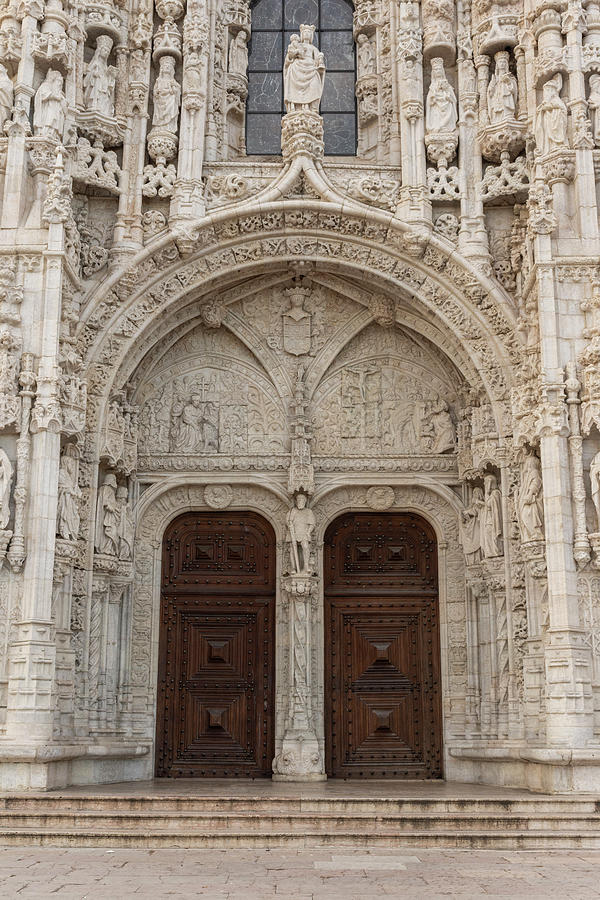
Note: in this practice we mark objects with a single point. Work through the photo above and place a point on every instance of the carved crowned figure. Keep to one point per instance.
(491, 519)
(594, 107)
(107, 518)
(301, 523)
(470, 527)
(502, 91)
(69, 493)
(303, 72)
(6, 476)
(238, 54)
(441, 108)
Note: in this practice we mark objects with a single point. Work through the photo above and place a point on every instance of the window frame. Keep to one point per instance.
(283, 31)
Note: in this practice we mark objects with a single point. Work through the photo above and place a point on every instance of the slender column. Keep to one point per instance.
(300, 756)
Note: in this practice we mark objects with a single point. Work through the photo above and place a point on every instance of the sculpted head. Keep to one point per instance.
(104, 45)
(501, 62)
(301, 500)
(307, 33)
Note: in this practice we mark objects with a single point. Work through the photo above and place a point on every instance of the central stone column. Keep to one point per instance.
(300, 757)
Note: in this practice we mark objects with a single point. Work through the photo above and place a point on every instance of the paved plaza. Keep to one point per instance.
(299, 874)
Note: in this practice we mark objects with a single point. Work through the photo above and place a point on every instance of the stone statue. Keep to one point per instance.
(444, 437)
(365, 49)
(502, 91)
(301, 524)
(441, 113)
(69, 493)
(470, 528)
(551, 119)
(107, 518)
(99, 80)
(238, 54)
(303, 72)
(594, 107)
(531, 504)
(50, 107)
(595, 482)
(6, 95)
(126, 529)
(166, 96)
(491, 518)
(6, 476)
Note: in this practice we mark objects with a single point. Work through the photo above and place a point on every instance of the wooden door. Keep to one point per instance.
(216, 655)
(382, 668)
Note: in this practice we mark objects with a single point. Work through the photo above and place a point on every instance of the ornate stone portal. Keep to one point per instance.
(185, 327)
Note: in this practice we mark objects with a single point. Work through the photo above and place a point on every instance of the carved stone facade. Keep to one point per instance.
(185, 327)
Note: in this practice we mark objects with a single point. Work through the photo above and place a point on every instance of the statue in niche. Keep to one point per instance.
(107, 518)
(367, 62)
(491, 518)
(6, 95)
(470, 527)
(126, 529)
(301, 523)
(195, 426)
(100, 78)
(441, 114)
(594, 107)
(444, 436)
(502, 92)
(166, 96)
(50, 107)
(595, 482)
(238, 54)
(303, 72)
(551, 119)
(530, 502)
(69, 494)
(6, 477)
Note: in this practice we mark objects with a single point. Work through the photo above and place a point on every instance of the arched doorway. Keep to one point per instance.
(215, 714)
(382, 658)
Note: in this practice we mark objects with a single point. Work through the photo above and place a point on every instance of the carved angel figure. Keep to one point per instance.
(303, 72)
(166, 96)
(531, 506)
(301, 523)
(502, 91)
(551, 120)
(99, 79)
(50, 106)
(441, 114)
(6, 476)
(6, 95)
(69, 493)
(107, 518)
(491, 518)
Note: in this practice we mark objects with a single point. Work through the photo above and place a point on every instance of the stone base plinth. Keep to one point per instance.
(543, 770)
(299, 760)
(46, 767)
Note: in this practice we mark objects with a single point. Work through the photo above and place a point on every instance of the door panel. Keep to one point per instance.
(383, 709)
(216, 672)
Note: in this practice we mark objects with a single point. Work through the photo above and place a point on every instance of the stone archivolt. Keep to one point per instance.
(411, 328)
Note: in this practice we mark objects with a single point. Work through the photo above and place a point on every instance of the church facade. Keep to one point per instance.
(300, 391)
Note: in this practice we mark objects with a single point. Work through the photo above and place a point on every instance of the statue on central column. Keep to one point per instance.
(303, 72)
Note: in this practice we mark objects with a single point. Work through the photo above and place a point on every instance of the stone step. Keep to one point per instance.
(169, 822)
(465, 838)
(51, 802)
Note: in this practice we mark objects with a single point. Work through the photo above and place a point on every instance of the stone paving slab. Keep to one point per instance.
(84, 874)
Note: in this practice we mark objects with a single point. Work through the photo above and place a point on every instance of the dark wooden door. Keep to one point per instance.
(382, 669)
(216, 655)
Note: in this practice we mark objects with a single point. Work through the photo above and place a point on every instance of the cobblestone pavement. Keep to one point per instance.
(333, 874)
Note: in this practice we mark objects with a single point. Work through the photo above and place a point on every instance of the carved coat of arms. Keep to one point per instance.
(297, 323)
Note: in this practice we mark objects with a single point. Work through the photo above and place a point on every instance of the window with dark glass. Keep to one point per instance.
(273, 21)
